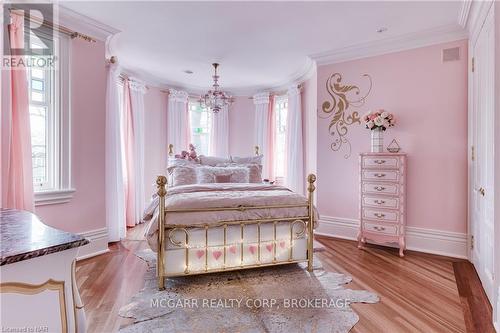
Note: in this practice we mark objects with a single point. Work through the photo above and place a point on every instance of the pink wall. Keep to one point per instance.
(155, 141)
(429, 99)
(86, 211)
(241, 126)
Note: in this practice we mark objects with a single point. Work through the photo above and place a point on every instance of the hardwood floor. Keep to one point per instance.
(106, 282)
(418, 293)
(477, 309)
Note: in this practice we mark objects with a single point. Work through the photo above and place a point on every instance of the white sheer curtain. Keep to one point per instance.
(219, 133)
(294, 145)
(263, 131)
(115, 191)
(137, 91)
(178, 120)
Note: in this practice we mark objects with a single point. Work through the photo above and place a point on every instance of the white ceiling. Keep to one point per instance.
(259, 44)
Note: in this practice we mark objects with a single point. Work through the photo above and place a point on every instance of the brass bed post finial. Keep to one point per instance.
(257, 150)
(170, 150)
(161, 182)
(310, 225)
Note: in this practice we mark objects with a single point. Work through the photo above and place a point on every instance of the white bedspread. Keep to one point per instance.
(223, 195)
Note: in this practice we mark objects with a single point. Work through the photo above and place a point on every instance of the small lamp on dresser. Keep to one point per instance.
(382, 199)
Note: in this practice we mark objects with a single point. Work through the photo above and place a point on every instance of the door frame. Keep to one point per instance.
(496, 149)
(474, 31)
(478, 14)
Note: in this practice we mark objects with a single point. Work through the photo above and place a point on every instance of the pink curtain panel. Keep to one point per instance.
(18, 193)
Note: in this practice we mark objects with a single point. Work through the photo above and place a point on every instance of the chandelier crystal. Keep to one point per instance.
(215, 99)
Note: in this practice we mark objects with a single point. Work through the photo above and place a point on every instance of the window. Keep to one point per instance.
(199, 121)
(49, 124)
(280, 111)
(43, 126)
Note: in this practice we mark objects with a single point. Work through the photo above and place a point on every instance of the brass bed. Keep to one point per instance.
(177, 257)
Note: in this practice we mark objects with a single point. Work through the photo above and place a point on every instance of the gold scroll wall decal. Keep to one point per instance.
(337, 107)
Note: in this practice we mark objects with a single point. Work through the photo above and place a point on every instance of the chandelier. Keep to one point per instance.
(215, 99)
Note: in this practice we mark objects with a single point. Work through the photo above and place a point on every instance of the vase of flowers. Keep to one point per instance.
(378, 121)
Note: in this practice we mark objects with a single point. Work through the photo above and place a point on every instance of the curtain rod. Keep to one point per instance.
(59, 28)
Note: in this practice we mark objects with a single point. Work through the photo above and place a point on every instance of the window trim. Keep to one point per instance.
(277, 100)
(63, 191)
(192, 101)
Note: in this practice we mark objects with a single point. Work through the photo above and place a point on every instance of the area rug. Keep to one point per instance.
(284, 298)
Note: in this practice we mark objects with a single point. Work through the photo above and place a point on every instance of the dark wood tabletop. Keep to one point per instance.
(24, 236)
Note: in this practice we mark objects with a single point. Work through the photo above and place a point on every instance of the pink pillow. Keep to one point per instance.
(212, 160)
(246, 160)
(184, 175)
(222, 178)
(255, 173)
(254, 170)
(206, 174)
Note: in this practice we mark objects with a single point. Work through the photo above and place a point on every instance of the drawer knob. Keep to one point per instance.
(379, 228)
(380, 202)
(379, 188)
(379, 161)
(379, 175)
(379, 215)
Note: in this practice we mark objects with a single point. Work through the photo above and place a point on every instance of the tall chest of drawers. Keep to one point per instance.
(382, 199)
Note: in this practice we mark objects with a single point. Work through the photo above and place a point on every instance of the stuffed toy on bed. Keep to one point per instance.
(190, 155)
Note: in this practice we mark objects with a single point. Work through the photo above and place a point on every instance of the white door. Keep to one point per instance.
(482, 226)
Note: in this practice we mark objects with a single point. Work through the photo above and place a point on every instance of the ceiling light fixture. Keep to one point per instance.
(381, 30)
(215, 99)
(188, 71)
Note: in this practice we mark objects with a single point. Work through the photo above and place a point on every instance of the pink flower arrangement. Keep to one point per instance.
(379, 119)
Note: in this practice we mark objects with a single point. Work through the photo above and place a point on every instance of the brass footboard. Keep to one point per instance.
(304, 223)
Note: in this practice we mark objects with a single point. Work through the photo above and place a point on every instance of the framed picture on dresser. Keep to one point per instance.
(382, 199)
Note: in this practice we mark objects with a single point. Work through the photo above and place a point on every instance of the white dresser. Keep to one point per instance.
(382, 198)
(38, 291)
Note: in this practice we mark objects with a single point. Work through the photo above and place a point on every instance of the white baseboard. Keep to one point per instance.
(98, 243)
(446, 243)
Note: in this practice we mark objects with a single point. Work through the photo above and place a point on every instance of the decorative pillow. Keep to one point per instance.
(176, 162)
(184, 175)
(254, 170)
(255, 173)
(213, 160)
(207, 174)
(222, 178)
(247, 160)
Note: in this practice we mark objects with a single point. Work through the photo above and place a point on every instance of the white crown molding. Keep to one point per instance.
(463, 15)
(410, 41)
(84, 24)
(304, 74)
(300, 76)
(477, 14)
(446, 243)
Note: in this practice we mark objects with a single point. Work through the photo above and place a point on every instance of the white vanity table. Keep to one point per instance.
(38, 291)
